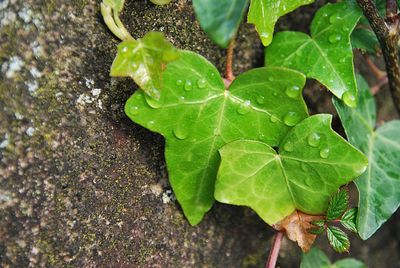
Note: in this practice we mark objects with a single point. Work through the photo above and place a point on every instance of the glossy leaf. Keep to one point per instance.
(144, 60)
(316, 258)
(326, 55)
(348, 220)
(338, 239)
(312, 163)
(265, 13)
(338, 205)
(220, 19)
(197, 116)
(379, 187)
(365, 40)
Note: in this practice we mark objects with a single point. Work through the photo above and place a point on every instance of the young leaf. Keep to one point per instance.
(379, 187)
(338, 204)
(365, 40)
(197, 116)
(144, 60)
(311, 165)
(318, 223)
(348, 220)
(349, 263)
(316, 258)
(297, 226)
(327, 55)
(117, 5)
(220, 19)
(265, 13)
(316, 230)
(338, 239)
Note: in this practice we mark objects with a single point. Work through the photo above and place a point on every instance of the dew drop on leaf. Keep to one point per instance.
(153, 103)
(150, 124)
(181, 99)
(273, 119)
(345, 29)
(244, 107)
(291, 119)
(201, 83)
(261, 137)
(270, 79)
(288, 147)
(313, 139)
(334, 38)
(349, 99)
(179, 82)
(324, 152)
(260, 100)
(181, 132)
(292, 91)
(134, 110)
(188, 85)
(334, 18)
(275, 94)
(124, 50)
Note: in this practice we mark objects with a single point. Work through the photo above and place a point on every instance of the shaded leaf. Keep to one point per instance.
(338, 239)
(220, 19)
(379, 186)
(319, 223)
(316, 230)
(365, 40)
(197, 116)
(265, 13)
(312, 163)
(348, 220)
(349, 263)
(316, 258)
(327, 55)
(144, 60)
(296, 227)
(338, 205)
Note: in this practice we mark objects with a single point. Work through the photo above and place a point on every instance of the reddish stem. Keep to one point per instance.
(273, 254)
(378, 73)
(229, 62)
(383, 81)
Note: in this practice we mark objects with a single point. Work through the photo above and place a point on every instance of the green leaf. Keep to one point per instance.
(311, 165)
(197, 116)
(348, 220)
(265, 13)
(319, 223)
(144, 60)
(338, 239)
(220, 19)
(316, 230)
(379, 187)
(365, 40)
(338, 205)
(316, 258)
(327, 55)
(117, 5)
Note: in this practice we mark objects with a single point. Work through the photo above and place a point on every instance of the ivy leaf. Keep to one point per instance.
(117, 5)
(197, 116)
(338, 204)
(265, 13)
(311, 165)
(144, 60)
(338, 239)
(220, 19)
(365, 40)
(317, 258)
(379, 187)
(348, 220)
(327, 55)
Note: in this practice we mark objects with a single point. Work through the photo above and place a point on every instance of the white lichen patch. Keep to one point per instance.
(13, 66)
(6, 18)
(92, 97)
(168, 196)
(32, 86)
(30, 131)
(4, 143)
(25, 14)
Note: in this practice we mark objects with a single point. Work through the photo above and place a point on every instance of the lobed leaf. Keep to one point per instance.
(338, 205)
(220, 19)
(338, 239)
(326, 55)
(144, 60)
(348, 220)
(197, 116)
(379, 187)
(365, 40)
(310, 166)
(265, 13)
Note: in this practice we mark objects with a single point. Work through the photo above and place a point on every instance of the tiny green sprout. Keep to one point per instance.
(160, 2)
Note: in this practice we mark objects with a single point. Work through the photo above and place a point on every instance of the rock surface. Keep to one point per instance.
(83, 186)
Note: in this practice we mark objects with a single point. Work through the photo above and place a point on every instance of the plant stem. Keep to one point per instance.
(229, 61)
(388, 36)
(273, 254)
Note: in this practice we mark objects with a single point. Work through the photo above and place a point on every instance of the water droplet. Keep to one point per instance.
(179, 82)
(264, 35)
(188, 85)
(244, 107)
(349, 99)
(153, 103)
(325, 14)
(314, 139)
(324, 152)
(334, 38)
(134, 110)
(284, 7)
(181, 132)
(181, 99)
(360, 169)
(261, 137)
(212, 74)
(334, 18)
(273, 119)
(260, 100)
(293, 91)
(201, 83)
(150, 124)
(270, 79)
(291, 118)
(124, 50)
(275, 94)
(288, 146)
(345, 28)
